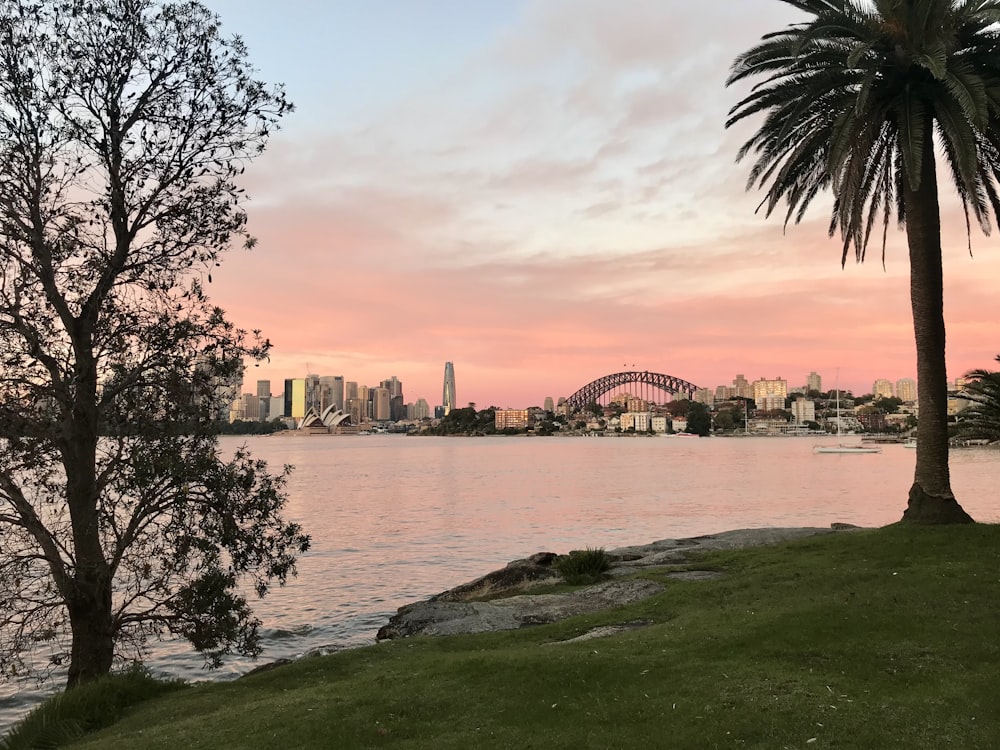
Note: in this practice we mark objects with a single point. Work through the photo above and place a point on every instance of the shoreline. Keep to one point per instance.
(502, 599)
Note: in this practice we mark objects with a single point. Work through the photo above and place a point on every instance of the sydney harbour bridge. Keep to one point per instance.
(652, 387)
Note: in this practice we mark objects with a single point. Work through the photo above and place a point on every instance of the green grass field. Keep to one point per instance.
(870, 639)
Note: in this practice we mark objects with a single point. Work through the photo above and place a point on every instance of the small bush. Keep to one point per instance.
(70, 715)
(583, 566)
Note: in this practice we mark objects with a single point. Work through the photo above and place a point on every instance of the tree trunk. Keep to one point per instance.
(89, 599)
(931, 499)
(93, 647)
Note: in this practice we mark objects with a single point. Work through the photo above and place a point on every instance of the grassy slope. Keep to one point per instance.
(882, 638)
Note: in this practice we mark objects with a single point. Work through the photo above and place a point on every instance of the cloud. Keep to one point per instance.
(564, 199)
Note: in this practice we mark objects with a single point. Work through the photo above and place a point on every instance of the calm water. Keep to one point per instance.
(395, 519)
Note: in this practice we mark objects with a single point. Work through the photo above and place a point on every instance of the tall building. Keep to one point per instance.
(906, 390)
(286, 405)
(356, 409)
(264, 400)
(221, 392)
(330, 390)
(365, 400)
(803, 410)
(448, 394)
(276, 407)
(381, 401)
(394, 386)
(397, 408)
(298, 401)
(705, 396)
(725, 392)
(549, 404)
(814, 382)
(312, 393)
(251, 407)
(742, 388)
(418, 410)
(882, 388)
(768, 393)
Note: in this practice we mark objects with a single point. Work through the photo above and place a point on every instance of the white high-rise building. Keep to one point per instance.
(803, 410)
(882, 388)
(906, 390)
(765, 391)
(448, 393)
(420, 409)
(814, 382)
(276, 407)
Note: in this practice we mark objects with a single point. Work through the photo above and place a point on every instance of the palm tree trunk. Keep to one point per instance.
(931, 499)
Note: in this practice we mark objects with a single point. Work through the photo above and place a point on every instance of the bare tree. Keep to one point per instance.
(124, 125)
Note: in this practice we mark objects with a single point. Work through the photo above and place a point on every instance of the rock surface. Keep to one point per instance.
(454, 611)
(516, 576)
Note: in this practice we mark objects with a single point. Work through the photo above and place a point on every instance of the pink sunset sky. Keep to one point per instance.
(542, 191)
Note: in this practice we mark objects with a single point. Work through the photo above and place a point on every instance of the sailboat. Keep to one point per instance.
(844, 447)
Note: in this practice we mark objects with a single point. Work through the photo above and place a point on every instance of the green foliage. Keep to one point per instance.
(466, 421)
(724, 420)
(889, 404)
(699, 419)
(251, 427)
(547, 427)
(583, 566)
(982, 418)
(71, 715)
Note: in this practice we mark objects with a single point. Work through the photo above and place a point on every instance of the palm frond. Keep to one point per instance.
(871, 86)
(982, 418)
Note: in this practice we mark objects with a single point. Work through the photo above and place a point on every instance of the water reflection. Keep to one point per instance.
(395, 519)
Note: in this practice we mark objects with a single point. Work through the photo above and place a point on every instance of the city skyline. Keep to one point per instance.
(907, 385)
(541, 190)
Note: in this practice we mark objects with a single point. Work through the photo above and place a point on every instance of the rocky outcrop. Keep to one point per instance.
(516, 576)
(462, 609)
(436, 617)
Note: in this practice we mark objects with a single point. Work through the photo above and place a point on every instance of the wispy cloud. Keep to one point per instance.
(553, 200)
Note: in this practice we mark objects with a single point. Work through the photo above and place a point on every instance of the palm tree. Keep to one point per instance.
(982, 418)
(854, 99)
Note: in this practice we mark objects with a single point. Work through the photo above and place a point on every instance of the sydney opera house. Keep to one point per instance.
(331, 421)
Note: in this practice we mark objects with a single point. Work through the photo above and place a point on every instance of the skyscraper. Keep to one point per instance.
(906, 389)
(882, 388)
(331, 392)
(263, 400)
(770, 394)
(397, 409)
(448, 396)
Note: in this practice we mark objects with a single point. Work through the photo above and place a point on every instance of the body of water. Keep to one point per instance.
(394, 519)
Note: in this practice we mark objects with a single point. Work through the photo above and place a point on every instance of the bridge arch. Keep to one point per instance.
(596, 389)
